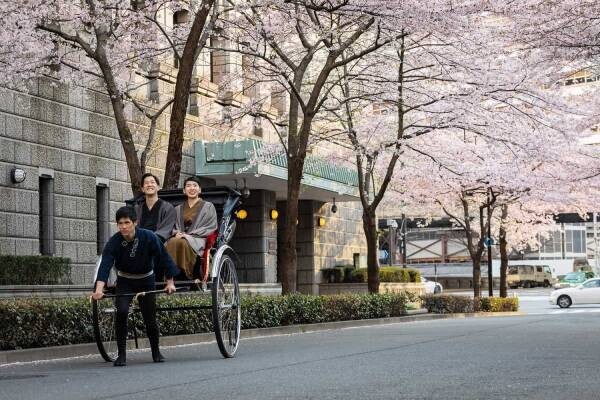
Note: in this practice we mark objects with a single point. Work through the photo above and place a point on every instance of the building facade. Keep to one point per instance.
(64, 140)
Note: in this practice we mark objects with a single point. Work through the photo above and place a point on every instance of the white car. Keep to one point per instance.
(431, 287)
(586, 293)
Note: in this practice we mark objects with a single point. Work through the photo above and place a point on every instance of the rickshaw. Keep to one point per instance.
(215, 274)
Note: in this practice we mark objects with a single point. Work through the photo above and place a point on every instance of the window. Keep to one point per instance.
(592, 284)
(575, 241)
(257, 129)
(102, 217)
(46, 215)
(538, 269)
(551, 244)
(179, 17)
(138, 4)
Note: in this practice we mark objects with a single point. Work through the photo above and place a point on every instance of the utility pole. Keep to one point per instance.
(403, 232)
(489, 244)
(596, 261)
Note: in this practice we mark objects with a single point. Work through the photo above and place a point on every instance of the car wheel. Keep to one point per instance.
(437, 290)
(546, 284)
(564, 301)
(526, 285)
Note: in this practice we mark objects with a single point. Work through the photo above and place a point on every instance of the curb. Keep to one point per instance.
(89, 349)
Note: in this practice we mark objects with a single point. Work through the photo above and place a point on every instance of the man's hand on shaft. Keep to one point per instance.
(99, 292)
(170, 288)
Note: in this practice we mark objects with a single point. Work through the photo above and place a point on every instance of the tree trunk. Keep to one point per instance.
(370, 227)
(289, 258)
(503, 253)
(477, 277)
(182, 95)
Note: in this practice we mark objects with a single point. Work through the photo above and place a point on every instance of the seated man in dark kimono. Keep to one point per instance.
(135, 253)
(153, 213)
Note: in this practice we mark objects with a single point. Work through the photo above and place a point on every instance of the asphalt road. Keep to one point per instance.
(552, 356)
(535, 301)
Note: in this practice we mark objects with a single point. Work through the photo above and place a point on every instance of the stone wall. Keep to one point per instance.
(255, 239)
(69, 135)
(326, 246)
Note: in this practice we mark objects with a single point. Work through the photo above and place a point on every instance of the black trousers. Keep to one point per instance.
(147, 307)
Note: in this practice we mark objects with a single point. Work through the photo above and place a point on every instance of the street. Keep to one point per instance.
(547, 356)
(534, 301)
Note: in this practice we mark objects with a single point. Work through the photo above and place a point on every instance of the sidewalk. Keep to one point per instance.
(78, 350)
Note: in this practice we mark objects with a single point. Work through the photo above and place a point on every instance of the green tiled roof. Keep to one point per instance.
(218, 158)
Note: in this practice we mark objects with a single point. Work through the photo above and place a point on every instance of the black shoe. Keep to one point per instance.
(157, 357)
(120, 362)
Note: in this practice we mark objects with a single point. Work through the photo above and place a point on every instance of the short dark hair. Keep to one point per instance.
(146, 175)
(192, 179)
(126, 212)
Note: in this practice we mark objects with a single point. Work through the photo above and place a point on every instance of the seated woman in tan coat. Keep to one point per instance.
(195, 220)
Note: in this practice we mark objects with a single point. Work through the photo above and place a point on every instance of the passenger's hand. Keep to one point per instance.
(170, 288)
(179, 235)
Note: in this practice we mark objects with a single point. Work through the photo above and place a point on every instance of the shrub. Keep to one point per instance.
(415, 275)
(34, 270)
(359, 275)
(499, 304)
(36, 322)
(447, 304)
(388, 274)
(333, 275)
(347, 272)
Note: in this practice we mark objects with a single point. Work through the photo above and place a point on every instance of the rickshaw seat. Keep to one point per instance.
(210, 242)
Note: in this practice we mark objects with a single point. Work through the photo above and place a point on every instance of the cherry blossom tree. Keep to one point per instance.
(112, 45)
(427, 92)
(300, 44)
(529, 182)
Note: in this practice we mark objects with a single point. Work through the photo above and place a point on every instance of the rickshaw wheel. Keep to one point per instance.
(104, 315)
(226, 312)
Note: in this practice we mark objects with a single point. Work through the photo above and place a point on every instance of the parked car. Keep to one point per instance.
(432, 287)
(572, 279)
(586, 293)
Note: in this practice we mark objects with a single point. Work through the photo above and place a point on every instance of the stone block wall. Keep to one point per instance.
(319, 247)
(255, 239)
(69, 135)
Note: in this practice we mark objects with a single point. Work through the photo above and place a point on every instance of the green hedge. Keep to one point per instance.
(448, 304)
(386, 274)
(28, 323)
(34, 270)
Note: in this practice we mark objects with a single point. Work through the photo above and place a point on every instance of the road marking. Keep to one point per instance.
(571, 311)
(533, 298)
